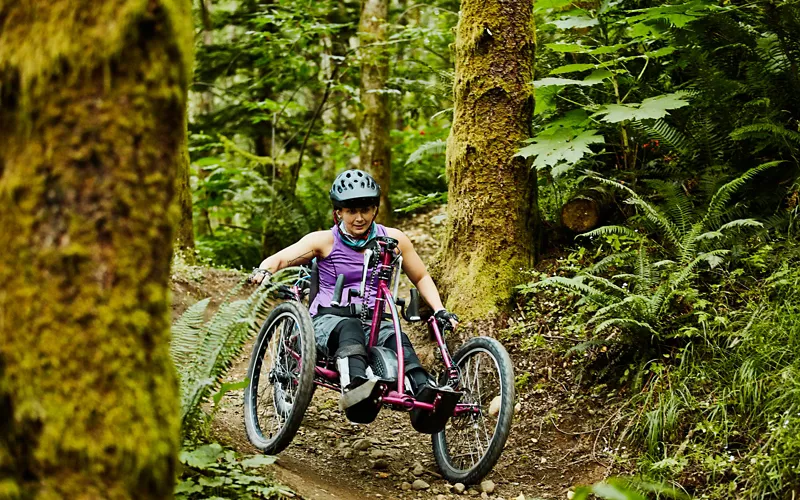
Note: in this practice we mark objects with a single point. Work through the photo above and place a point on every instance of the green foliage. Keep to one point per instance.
(680, 93)
(210, 471)
(203, 351)
(737, 393)
(617, 488)
(275, 115)
(645, 297)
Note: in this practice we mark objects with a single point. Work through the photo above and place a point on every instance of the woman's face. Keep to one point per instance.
(357, 220)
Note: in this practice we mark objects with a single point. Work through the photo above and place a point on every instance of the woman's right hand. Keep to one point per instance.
(259, 276)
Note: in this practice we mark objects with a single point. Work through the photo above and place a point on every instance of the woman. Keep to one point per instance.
(356, 197)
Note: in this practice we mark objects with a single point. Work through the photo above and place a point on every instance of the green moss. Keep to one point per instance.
(84, 35)
(89, 142)
(492, 212)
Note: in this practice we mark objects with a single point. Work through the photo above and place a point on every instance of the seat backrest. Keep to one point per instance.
(314, 282)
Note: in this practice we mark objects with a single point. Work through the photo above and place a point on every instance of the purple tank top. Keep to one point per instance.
(342, 260)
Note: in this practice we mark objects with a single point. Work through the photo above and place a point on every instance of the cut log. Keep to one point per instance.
(580, 214)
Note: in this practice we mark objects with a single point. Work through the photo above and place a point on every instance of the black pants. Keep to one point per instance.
(349, 334)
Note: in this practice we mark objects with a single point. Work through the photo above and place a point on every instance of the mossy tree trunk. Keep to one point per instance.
(375, 153)
(492, 194)
(184, 236)
(92, 110)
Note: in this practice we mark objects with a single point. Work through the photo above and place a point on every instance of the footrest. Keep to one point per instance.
(360, 404)
(434, 422)
(360, 393)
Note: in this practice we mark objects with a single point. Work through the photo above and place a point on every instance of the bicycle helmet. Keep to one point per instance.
(355, 189)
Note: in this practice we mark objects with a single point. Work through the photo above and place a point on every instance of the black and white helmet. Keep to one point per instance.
(355, 189)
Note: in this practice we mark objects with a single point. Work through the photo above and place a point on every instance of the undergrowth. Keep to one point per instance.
(696, 330)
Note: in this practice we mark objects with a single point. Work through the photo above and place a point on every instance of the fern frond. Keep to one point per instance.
(723, 194)
(651, 213)
(625, 323)
(203, 354)
(765, 129)
(186, 333)
(574, 284)
(666, 134)
(739, 223)
(607, 230)
(428, 149)
(713, 257)
(634, 303)
(608, 261)
(605, 282)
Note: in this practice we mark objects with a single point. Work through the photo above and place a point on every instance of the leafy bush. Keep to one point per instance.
(735, 402)
(650, 300)
(210, 471)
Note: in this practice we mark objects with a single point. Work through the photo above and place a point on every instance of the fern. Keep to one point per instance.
(667, 135)
(204, 352)
(765, 130)
(428, 149)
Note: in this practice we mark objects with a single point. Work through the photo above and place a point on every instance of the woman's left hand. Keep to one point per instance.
(446, 319)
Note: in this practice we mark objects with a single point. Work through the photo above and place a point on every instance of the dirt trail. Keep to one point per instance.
(556, 441)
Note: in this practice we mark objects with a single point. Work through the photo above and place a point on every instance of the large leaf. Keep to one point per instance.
(649, 109)
(545, 98)
(568, 47)
(565, 145)
(571, 68)
(575, 22)
(594, 78)
(202, 457)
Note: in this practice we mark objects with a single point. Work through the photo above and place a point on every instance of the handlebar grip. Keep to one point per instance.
(413, 306)
(337, 291)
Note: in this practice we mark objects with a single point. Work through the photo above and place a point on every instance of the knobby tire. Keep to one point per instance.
(302, 376)
(479, 468)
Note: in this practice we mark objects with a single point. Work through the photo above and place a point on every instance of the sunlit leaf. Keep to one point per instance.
(568, 47)
(565, 145)
(201, 457)
(664, 51)
(570, 68)
(575, 22)
(649, 109)
(608, 49)
(545, 98)
(258, 461)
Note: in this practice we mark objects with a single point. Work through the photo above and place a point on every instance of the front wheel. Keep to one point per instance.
(471, 443)
(281, 377)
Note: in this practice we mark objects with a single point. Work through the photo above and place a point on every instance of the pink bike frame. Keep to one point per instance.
(384, 297)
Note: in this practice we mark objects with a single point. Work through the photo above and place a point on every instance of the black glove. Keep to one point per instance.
(443, 317)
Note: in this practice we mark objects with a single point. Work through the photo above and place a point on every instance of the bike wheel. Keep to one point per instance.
(281, 378)
(471, 443)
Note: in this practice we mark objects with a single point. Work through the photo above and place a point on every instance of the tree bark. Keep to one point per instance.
(492, 211)
(92, 113)
(375, 153)
(184, 236)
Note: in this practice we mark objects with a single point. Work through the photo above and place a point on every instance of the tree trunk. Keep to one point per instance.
(376, 125)
(184, 237)
(91, 126)
(492, 211)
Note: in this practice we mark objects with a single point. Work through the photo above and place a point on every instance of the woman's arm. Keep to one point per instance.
(317, 244)
(416, 271)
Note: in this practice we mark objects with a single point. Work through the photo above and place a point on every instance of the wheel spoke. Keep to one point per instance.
(469, 435)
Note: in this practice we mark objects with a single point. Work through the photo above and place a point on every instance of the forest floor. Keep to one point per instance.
(560, 438)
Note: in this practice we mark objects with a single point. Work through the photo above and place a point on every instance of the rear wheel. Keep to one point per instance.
(471, 443)
(281, 378)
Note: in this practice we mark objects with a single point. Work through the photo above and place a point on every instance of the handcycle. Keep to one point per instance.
(468, 432)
